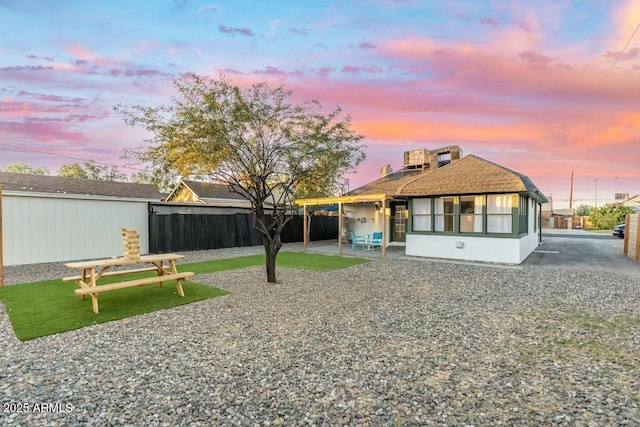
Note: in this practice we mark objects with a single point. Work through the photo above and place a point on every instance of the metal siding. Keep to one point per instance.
(39, 229)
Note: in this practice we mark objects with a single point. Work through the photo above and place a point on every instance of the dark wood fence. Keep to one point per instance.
(192, 232)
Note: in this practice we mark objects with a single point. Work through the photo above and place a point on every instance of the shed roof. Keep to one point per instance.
(63, 185)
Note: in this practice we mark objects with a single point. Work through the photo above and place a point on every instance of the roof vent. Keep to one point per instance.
(385, 170)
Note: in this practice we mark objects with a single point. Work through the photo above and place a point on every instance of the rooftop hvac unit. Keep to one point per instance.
(416, 157)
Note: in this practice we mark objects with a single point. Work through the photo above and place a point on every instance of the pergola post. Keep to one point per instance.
(305, 239)
(384, 227)
(341, 200)
(339, 227)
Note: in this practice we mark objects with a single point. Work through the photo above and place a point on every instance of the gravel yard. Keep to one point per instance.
(390, 342)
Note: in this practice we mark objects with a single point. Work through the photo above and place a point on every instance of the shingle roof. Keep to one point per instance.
(469, 175)
(62, 185)
(388, 184)
(207, 190)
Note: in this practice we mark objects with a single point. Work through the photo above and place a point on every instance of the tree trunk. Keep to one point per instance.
(270, 256)
(271, 249)
(271, 241)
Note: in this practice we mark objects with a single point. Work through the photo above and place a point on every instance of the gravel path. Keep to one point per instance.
(389, 342)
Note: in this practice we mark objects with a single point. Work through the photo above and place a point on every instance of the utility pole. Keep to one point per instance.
(596, 181)
(571, 193)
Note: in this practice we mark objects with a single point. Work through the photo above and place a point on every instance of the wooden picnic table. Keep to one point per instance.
(163, 264)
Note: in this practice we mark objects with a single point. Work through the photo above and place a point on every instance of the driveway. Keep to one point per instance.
(582, 250)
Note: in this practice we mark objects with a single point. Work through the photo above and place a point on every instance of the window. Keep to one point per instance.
(523, 215)
(444, 213)
(400, 222)
(421, 214)
(471, 214)
(499, 219)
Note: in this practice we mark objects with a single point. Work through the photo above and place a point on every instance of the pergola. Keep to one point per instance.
(340, 201)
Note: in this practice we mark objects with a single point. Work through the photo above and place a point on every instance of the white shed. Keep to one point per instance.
(51, 219)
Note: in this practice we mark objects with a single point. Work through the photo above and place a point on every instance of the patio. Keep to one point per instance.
(331, 247)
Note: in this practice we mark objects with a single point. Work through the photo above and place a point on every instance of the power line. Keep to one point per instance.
(619, 56)
(606, 77)
(33, 150)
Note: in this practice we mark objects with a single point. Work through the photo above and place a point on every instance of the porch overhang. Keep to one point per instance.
(365, 198)
(342, 200)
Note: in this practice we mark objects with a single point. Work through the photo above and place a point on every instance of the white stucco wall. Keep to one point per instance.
(364, 219)
(42, 228)
(486, 249)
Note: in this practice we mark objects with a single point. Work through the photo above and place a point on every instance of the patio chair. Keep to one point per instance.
(357, 240)
(376, 240)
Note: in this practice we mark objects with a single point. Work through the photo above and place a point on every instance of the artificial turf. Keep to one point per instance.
(44, 308)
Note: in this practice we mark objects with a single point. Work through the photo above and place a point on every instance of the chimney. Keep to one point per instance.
(385, 170)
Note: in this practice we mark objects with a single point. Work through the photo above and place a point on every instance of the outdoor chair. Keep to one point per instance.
(357, 240)
(376, 240)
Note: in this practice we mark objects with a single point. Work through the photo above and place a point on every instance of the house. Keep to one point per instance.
(206, 198)
(444, 205)
(205, 193)
(52, 218)
(633, 203)
(195, 197)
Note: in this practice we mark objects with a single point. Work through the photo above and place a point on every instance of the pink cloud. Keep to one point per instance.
(272, 71)
(49, 97)
(29, 130)
(352, 69)
(535, 58)
(86, 56)
(39, 58)
(232, 30)
(20, 68)
(626, 17)
(628, 54)
(467, 67)
(367, 46)
(492, 22)
(299, 31)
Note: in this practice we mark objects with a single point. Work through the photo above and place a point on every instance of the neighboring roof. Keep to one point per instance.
(564, 212)
(469, 175)
(62, 185)
(633, 203)
(208, 190)
(204, 190)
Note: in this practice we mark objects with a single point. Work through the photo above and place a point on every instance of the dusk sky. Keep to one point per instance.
(541, 87)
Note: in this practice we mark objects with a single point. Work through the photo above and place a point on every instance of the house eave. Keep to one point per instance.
(367, 198)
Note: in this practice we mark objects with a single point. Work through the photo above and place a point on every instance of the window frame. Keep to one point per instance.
(514, 212)
(428, 216)
(448, 218)
(479, 205)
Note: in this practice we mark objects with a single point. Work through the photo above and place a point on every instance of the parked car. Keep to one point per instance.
(618, 230)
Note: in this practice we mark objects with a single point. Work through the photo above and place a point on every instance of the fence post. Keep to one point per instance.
(627, 230)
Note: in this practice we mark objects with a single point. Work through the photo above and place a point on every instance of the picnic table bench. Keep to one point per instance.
(163, 264)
